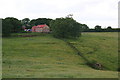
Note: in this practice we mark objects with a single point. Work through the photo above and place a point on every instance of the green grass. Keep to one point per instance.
(46, 57)
(100, 47)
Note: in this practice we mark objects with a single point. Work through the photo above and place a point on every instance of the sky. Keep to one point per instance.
(90, 12)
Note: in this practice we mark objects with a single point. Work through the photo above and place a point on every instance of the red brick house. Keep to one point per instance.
(41, 28)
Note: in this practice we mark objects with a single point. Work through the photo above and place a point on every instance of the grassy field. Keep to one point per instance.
(47, 57)
(99, 47)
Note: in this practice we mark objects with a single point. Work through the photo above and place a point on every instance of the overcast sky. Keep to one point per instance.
(90, 12)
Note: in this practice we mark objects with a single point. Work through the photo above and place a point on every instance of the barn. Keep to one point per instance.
(41, 28)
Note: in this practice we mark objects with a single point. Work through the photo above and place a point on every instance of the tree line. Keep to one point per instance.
(99, 28)
(14, 25)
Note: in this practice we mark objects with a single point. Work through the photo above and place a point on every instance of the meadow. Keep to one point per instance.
(44, 56)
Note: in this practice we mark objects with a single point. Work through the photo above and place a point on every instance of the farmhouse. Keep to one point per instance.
(41, 28)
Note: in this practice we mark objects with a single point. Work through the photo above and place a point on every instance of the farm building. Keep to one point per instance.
(41, 28)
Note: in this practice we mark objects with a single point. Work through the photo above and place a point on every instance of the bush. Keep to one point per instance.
(65, 28)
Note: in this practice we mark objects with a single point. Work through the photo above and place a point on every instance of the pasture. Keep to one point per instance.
(99, 47)
(44, 56)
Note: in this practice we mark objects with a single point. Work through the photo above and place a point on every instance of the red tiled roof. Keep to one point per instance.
(40, 26)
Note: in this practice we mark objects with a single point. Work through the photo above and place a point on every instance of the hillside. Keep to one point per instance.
(99, 47)
(46, 57)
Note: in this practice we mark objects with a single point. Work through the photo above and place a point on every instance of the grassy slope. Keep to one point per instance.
(44, 56)
(100, 47)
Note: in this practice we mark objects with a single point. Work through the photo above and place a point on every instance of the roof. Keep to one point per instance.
(40, 26)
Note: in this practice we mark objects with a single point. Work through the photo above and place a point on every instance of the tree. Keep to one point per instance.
(32, 22)
(25, 21)
(6, 28)
(109, 28)
(15, 24)
(65, 28)
(69, 15)
(84, 27)
(98, 28)
(40, 21)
